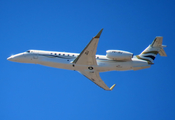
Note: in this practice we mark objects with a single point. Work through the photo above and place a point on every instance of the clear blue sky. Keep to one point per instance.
(35, 92)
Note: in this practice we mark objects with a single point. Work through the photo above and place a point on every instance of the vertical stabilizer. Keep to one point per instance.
(149, 54)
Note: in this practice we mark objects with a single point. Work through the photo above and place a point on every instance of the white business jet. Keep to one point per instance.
(89, 64)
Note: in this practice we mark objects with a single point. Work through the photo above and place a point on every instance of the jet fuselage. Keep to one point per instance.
(64, 60)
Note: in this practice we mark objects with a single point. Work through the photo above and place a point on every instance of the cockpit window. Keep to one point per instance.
(28, 51)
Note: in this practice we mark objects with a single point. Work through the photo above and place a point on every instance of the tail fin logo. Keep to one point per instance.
(149, 54)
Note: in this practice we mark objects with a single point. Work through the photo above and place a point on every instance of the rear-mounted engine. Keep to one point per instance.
(119, 55)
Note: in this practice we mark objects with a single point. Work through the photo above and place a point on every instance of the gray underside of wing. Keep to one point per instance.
(95, 77)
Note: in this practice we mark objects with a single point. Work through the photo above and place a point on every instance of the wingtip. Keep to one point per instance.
(112, 87)
(99, 33)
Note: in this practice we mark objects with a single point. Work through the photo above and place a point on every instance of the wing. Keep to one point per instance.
(87, 56)
(95, 77)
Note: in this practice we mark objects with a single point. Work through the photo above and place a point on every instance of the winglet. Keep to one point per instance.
(112, 87)
(98, 35)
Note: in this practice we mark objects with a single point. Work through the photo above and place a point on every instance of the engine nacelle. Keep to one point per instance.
(119, 55)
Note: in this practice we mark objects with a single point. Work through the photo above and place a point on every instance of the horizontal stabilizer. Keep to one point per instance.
(162, 52)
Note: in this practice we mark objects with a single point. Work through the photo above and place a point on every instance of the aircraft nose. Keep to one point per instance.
(15, 57)
(20, 57)
(10, 58)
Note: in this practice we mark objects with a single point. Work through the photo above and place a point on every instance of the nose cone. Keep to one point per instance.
(10, 58)
(16, 58)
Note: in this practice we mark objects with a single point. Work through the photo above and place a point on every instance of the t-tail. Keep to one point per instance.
(149, 54)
